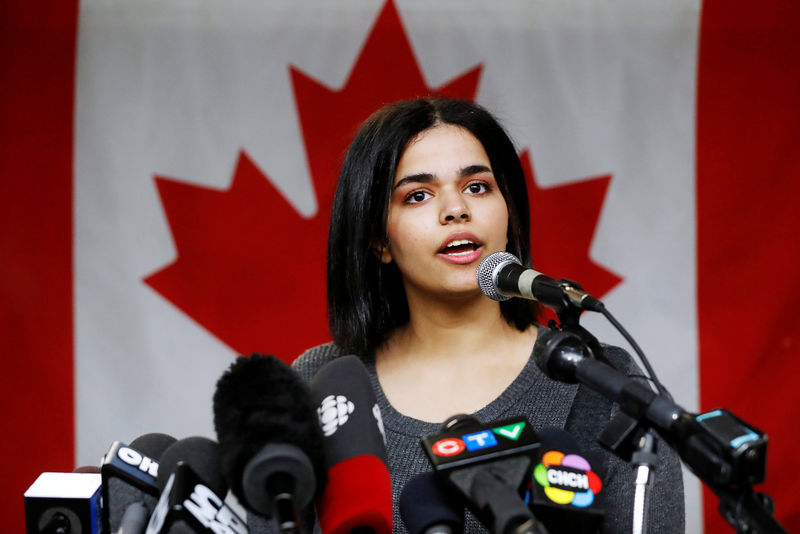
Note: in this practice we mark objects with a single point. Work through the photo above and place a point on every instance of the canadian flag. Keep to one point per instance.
(168, 167)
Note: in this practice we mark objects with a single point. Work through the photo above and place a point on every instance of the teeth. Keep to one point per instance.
(459, 242)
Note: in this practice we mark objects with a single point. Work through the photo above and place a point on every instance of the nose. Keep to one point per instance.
(454, 207)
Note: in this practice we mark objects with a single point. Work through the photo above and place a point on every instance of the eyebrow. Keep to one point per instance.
(426, 177)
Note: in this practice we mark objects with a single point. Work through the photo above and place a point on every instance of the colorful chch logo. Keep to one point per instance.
(567, 479)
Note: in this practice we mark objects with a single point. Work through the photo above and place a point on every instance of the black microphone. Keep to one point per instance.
(567, 484)
(427, 507)
(489, 465)
(193, 491)
(358, 494)
(269, 437)
(721, 449)
(129, 478)
(501, 276)
(63, 503)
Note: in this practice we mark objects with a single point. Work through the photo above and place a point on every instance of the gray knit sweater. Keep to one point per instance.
(546, 403)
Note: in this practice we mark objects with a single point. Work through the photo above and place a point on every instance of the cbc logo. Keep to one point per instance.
(333, 412)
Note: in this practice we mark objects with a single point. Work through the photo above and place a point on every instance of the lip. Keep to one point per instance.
(461, 259)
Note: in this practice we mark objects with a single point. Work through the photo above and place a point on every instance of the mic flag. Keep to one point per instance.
(567, 487)
(129, 477)
(467, 442)
(489, 465)
(188, 504)
(63, 502)
(359, 491)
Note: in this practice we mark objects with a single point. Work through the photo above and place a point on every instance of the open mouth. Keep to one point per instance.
(460, 247)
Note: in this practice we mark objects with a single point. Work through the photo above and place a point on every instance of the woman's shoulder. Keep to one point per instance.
(308, 363)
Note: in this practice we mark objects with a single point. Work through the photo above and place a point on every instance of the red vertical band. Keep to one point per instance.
(748, 186)
(37, 80)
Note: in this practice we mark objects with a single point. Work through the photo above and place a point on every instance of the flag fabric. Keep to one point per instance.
(168, 167)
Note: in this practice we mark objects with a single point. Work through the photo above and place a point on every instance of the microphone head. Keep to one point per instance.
(348, 411)
(199, 453)
(129, 476)
(425, 503)
(557, 354)
(359, 491)
(487, 272)
(153, 444)
(459, 420)
(261, 401)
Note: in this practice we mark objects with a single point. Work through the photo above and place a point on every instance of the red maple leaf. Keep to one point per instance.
(250, 269)
(563, 222)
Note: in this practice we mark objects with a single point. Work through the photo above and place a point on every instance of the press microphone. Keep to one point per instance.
(358, 494)
(567, 491)
(128, 475)
(501, 276)
(489, 466)
(721, 449)
(427, 507)
(63, 503)
(269, 437)
(193, 492)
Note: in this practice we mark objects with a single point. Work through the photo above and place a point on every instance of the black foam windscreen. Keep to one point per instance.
(152, 444)
(259, 401)
(202, 455)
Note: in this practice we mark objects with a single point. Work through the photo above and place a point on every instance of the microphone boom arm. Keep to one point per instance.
(725, 452)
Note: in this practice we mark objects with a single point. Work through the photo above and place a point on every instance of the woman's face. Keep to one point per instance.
(446, 212)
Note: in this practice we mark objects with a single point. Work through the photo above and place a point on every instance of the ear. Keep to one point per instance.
(381, 250)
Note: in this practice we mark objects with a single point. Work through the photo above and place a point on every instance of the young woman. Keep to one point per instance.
(429, 188)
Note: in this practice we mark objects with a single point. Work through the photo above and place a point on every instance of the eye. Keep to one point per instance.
(415, 197)
(478, 188)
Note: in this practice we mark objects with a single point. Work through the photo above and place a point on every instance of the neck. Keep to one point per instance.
(450, 328)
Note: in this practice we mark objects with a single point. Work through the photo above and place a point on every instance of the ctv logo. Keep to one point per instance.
(567, 479)
(447, 447)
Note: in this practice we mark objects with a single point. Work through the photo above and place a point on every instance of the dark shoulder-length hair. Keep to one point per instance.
(366, 298)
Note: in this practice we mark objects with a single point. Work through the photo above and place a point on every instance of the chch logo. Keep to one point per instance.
(567, 479)
(333, 412)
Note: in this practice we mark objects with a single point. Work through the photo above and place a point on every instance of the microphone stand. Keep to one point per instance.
(644, 461)
(623, 436)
